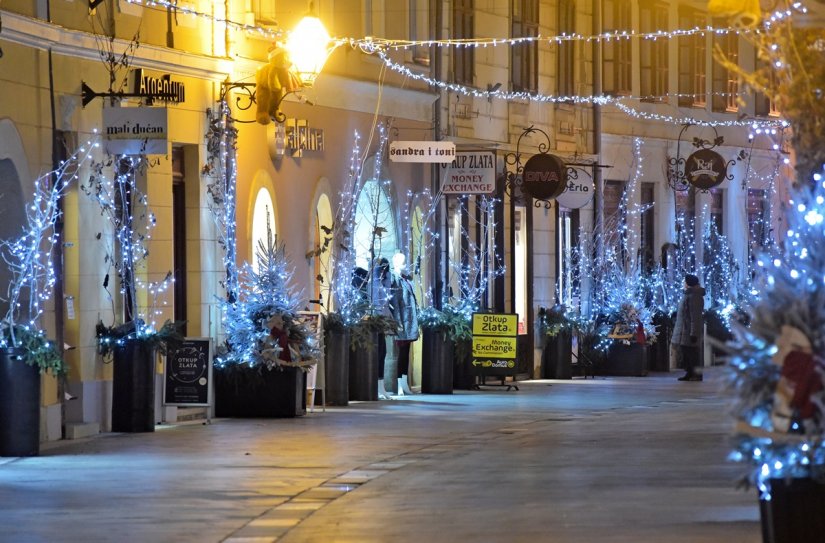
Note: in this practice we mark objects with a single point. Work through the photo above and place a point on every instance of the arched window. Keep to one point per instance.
(263, 219)
(323, 263)
(375, 231)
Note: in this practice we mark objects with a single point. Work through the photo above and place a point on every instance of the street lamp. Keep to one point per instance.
(309, 46)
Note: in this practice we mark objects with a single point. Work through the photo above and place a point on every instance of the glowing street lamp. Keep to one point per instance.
(309, 45)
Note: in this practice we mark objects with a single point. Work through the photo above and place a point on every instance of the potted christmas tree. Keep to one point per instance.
(778, 372)
(261, 372)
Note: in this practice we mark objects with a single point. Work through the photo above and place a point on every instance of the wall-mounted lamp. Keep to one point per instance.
(292, 66)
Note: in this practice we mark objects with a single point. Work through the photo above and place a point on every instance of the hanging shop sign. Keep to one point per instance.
(577, 194)
(188, 372)
(543, 176)
(470, 173)
(706, 169)
(158, 88)
(422, 151)
(135, 130)
(495, 343)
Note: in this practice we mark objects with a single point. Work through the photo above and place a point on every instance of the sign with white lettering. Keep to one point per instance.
(577, 194)
(495, 343)
(472, 172)
(422, 151)
(135, 130)
(188, 372)
(706, 169)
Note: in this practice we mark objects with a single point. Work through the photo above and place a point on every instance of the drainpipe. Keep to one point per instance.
(598, 182)
(57, 250)
(435, 53)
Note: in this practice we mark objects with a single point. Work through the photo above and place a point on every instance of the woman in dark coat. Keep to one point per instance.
(689, 328)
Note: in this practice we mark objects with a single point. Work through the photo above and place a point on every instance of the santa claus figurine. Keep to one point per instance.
(799, 380)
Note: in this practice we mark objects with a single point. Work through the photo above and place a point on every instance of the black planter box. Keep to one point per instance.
(19, 407)
(557, 358)
(463, 376)
(244, 392)
(363, 371)
(436, 362)
(795, 513)
(336, 343)
(624, 360)
(133, 388)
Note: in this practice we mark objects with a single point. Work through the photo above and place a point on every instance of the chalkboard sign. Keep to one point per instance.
(189, 373)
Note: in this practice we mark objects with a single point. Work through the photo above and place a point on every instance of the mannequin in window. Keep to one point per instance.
(381, 301)
(405, 311)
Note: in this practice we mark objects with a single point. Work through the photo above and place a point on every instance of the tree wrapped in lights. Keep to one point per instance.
(113, 184)
(262, 326)
(29, 258)
(790, 72)
(777, 362)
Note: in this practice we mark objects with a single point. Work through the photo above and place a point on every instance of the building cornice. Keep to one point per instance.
(330, 90)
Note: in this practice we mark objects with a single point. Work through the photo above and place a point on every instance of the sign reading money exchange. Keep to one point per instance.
(471, 172)
(494, 343)
(706, 169)
(543, 176)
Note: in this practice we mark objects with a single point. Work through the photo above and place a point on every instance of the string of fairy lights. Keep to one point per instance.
(381, 48)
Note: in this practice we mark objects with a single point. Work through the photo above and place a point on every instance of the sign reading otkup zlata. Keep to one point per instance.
(472, 172)
(136, 130)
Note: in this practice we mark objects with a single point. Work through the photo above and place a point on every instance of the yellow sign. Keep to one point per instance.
(494, 347)
(495, 324)
(507, 364)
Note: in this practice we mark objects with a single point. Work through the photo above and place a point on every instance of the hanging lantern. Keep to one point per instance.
(309, 47)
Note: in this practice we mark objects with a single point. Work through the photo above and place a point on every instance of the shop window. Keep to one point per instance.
(463, 57)
(725, 81)
(263, 221)
(374, 224)
(646, 239)
(324, 262)
(566, 56)
(653, 53)
(567, 230)
(524, 56)
(717, 208)
(616, 54)
(693, 70)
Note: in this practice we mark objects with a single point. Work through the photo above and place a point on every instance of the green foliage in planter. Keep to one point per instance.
(455, 322)
(362, 332)
(553, 320)
(110, 337)
(34, 348)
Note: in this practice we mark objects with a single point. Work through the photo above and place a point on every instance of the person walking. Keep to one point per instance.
(689, 328)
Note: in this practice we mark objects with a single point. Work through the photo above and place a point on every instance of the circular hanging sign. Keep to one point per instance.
(705, 169)
(578, 193)
(543, 176)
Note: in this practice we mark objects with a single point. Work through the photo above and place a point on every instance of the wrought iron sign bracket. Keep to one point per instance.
(677, 167)
(247, 96)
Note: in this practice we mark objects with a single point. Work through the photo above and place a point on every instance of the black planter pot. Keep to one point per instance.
(436, 362)
(661, 361)
(463, 377)
(557, 358)
(363, 371)
(337, 367)
(795, 513)
(19, 407)
(624, 360)
(133, 388)
(244, 392)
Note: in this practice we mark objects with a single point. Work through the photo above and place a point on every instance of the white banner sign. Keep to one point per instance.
(135, 130)
(422, 151)
(472, 172)
(578, 193)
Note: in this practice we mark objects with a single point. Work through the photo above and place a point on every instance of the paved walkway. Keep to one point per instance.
(611, 459)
